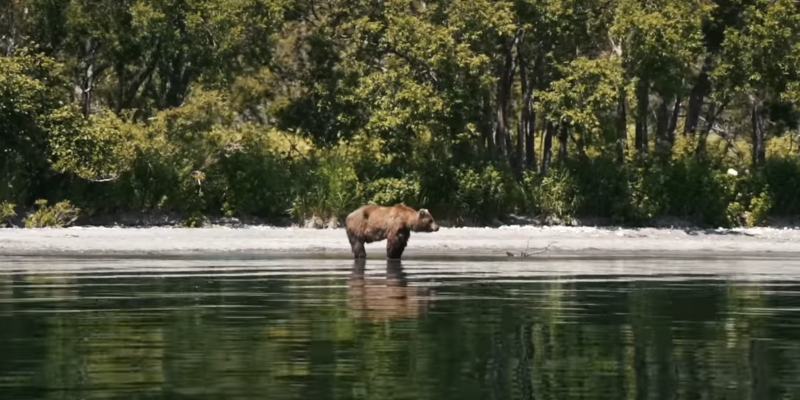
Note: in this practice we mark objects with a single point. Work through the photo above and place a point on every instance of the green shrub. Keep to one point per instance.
(437, 183)
(484, 192)
(554, 195)
(698, 189)
(736, 214)
(60, 215)
(251, 179)
(328, 188)
(600, 188)
(760, 207)
(390, 191)
(645, 194)
(7, 213)
(782, 176)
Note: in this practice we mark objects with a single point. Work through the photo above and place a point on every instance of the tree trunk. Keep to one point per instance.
(666, 121)
(547, 147)
(180, 77)
(642, 102)
(713, 112)
(477, 109)
(711, 115)
(798, 136)
(488, 125)
(87, 84)
(504, 82)
(521, 135)
(579, 146)
(502, 127)
(89, 70)
(673, 122)
(622, 125)
(563, 140)
(128, 89)
(757, 132)
(525, 127)
(539, 83)
(530, 140)
(13, 16)
(662, 124)
(696, 96)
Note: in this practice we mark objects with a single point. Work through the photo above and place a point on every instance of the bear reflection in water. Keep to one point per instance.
(385, 298)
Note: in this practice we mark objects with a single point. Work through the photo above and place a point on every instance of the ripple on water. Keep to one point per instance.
(291, 328)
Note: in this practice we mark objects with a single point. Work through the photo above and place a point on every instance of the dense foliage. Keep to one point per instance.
(624, 110)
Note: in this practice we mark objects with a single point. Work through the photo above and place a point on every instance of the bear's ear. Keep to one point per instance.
(423, 212)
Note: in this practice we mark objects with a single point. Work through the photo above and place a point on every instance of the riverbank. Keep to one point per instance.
(533, 241)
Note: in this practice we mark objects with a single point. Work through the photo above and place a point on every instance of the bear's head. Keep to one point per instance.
(425, 222)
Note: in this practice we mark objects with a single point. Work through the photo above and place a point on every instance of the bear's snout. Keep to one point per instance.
(434, 228)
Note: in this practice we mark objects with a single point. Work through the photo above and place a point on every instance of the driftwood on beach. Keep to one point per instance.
(525, 252)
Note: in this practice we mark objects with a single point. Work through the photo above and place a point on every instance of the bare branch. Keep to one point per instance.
(524, 254)
(616, 48)
(105, 179)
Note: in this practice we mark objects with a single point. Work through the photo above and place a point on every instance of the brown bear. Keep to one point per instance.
(373, 223)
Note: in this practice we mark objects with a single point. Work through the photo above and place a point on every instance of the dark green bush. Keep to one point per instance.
(782, 176)
(390, 191)
(484, 192)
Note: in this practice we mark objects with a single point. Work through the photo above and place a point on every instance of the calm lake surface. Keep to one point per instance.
(435, 329)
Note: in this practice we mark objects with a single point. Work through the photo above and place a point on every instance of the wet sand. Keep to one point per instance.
(448, 242)
(419, 271)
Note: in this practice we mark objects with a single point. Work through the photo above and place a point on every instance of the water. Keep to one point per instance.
(423, 329)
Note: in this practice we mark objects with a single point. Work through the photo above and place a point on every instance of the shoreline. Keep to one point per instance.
(279, 242)
(147, 220)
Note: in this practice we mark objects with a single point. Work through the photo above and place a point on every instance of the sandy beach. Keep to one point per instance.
(565, 241)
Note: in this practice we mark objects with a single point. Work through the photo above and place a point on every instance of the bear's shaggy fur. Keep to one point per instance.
(372, 223)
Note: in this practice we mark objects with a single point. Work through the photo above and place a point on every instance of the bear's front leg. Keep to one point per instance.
(358, 250)
(356, 245)
(396, 244)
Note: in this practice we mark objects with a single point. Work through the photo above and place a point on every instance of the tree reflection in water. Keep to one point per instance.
(339, 332)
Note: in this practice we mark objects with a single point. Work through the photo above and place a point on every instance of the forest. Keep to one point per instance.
(562, 111)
